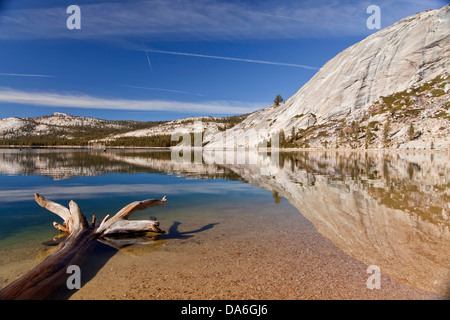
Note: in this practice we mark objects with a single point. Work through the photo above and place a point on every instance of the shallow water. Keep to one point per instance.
(305, 226)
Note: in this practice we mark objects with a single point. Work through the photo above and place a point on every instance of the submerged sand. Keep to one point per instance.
(250, 253)
(251, 256)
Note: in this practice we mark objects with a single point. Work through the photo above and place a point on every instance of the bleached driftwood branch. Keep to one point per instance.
(51, 273)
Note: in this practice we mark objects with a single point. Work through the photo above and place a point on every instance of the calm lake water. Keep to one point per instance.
(324, 215)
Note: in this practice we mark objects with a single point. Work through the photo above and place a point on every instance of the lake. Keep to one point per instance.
(290, 225)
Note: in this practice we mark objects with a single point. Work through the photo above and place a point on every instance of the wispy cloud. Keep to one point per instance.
(234, 59)
(165, 90)
(205, 19)
(70, 100)
(26, 75)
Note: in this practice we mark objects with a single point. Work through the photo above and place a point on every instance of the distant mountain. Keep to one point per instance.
(161, 134)
(348, 89)
(65, 129)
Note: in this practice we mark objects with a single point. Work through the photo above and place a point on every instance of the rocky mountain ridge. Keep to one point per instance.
(65, 129)
(416, 118)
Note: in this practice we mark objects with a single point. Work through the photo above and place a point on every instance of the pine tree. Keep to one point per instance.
(278, 100)
(386, 131)
(355, 130)
(369, 135)
(282, 138)
(292, 135)
(411, 132)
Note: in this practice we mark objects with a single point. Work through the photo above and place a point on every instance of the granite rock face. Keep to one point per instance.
(412, 51)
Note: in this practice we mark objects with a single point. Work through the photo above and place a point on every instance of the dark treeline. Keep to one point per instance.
(159, 140)
(44, 140)
(75, 135)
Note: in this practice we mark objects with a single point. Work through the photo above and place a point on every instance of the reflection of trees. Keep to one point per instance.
(59, 164)
(418, 187)
(381, 208)
(276, 197)
(66, 164)
(375, 206)
(390, 179)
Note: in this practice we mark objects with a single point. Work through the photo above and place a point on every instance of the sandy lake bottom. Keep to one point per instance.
(224, 240)
(261, 254)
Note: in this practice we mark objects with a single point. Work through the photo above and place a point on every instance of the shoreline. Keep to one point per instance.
(104, 148)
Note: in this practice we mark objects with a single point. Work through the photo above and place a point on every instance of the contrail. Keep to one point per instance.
(26, 75)
(167, 90)
(146, 53)
(235, 59)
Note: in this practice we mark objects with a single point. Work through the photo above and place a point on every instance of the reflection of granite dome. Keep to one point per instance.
(385, 210)
(389, 209)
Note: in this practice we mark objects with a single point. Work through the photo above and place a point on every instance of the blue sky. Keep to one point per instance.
(169, 59)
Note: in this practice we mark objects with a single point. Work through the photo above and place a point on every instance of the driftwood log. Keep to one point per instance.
(47, 276)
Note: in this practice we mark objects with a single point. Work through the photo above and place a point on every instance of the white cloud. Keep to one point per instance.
(165, 90)
(69, 100)
(26, 75)
(205, 19)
